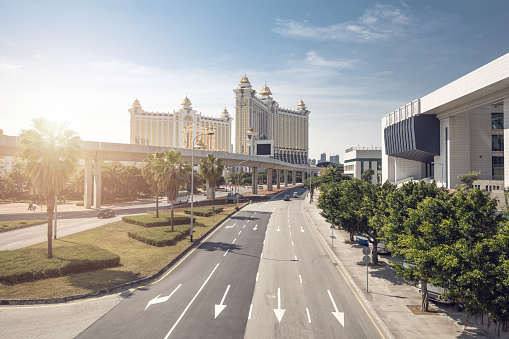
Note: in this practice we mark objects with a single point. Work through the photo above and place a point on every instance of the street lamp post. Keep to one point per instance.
(192, 179)
(238, 184)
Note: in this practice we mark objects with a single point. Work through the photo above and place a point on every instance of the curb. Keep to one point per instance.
(125, 286)
(347, 275)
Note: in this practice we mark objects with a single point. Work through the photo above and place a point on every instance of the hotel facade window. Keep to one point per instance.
(178, 129)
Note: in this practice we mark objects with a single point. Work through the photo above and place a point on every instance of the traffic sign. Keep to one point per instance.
(366, 250)
(366, 259)
(332, 226)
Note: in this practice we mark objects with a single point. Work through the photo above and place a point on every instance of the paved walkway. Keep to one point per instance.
(390, 296)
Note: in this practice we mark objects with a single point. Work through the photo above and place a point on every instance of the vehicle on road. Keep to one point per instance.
(287, 197)
(295, 195)
(260, 187)
(182, 197)
(232, 197)
(106, 213)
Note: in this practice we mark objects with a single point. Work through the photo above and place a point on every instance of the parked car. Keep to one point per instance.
(287, 197)
(362, 239)
(381, 248)
(260, 187)
(295, 195)
(107, 213)
(435, 293)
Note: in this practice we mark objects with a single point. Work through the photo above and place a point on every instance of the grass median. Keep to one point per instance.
(137, 260)
(5, 225)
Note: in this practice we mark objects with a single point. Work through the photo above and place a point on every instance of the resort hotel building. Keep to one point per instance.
(178, 129)
(261, 117)
(459, 128)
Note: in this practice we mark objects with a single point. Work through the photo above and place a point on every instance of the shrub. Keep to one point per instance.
(80, 203)
(160, 236)
(150, 220)
(203, 211)
(28, 264)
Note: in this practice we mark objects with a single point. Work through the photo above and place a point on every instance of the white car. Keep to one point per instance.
(295, 195)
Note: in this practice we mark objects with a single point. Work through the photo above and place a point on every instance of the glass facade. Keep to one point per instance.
(497, 143)
(497, 167)
(497, 120)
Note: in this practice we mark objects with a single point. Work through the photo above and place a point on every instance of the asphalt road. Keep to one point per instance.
(262, 274)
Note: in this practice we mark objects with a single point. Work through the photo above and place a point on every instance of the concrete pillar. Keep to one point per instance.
(254, 180)
(278, 178)
(88, 184)
(97, 183)
(269, 179)
(286, 178)
(294, 177)
(225, 175)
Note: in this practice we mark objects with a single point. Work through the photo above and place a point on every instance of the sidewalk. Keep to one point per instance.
(390, 296)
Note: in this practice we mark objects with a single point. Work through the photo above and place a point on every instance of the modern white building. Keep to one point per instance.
(360, 159)
(459, 128)
(262, 117)
(178, 129)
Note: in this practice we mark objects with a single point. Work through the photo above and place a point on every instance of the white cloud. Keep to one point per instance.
(381, 22)
(315, 60)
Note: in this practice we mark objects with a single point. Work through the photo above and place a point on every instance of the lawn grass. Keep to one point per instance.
(5, 225)
(137, 260)
(150, 220)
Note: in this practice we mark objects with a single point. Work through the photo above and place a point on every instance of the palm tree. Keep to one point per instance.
(171, 176)
(211, 169)
(150, 173)
(51, 153)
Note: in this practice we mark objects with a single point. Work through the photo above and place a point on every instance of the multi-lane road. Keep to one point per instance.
(263, 274)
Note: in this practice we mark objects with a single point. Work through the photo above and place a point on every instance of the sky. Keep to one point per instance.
(351, 62)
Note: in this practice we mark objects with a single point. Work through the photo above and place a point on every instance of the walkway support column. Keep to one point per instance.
(269, 179)
(506, 142)
(254, 180)
(97, 183)
(286, 178)
(88, 184)
(278, 171)
(294, 177)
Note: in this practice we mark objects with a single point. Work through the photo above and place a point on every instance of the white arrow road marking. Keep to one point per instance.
(279, 312)
(339, 315)
(255, 228)
(301, 229)
(278, 229)
(158, 300)
(221, 307)
(192, 300)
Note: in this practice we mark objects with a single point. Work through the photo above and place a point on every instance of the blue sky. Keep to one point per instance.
(351, 62)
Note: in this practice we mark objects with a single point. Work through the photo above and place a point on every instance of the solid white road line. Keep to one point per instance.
(250, 309)
(257, 276)
(300, 278)
(190, 303)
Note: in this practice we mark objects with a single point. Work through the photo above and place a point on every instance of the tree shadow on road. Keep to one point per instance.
(218, 246)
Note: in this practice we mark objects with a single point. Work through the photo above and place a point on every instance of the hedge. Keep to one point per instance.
(203, 211)
(29, 264)
(150, 220)
(160, 236)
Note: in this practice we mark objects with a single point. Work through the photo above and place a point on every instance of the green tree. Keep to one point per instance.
(376, 209)
(170, 169)
(367, 175)
(150, 173)
(341, 204)
(51, 153)
(469, 177)
(211, 169)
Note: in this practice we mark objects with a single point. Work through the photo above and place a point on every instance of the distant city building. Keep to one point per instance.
(360, 159)
(178, 129)
(323, 157)
(261, 115)
(334, 159)
(313, 162)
